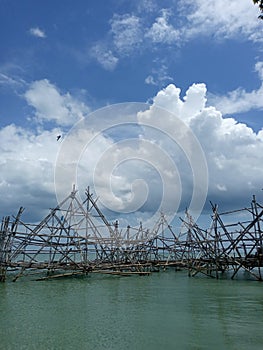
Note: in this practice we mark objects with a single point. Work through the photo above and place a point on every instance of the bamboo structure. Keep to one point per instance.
(228, 247)
(75, 238)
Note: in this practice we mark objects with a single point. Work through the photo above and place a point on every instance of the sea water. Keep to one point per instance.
(165, 310)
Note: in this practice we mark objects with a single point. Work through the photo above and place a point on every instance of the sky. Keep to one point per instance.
(159, 105)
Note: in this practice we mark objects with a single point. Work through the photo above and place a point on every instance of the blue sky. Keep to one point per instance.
(62, 61)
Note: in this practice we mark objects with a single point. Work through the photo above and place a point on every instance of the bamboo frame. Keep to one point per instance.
(75, 238)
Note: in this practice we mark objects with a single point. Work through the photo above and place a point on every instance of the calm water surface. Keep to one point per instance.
(166, 310)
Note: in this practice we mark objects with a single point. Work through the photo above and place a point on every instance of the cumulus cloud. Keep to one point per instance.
(37, 32)
(28, 157)
(233, 150)
(27, 165)
(50, 105)
(131, 167)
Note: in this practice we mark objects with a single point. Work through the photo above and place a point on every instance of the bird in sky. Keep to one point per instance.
(58, 137)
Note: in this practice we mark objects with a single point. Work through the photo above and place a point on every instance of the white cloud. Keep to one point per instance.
(259, 70)
(51, 105)
(163, 32)
(27, 164)
(104, 56)
(150, 80)
(13, 82)
(233, 150)
(222, 18)
(181, 22)
(136, 170)
(239, 100)
(159, 76)
(169, 98)
(147, 6)
(37, 32)
(127, 33)
(125, 36)
(10, 81)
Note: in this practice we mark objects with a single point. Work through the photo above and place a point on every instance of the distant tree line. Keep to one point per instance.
(260, 5)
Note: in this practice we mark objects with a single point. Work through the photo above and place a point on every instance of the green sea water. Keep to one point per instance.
(166, 310)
